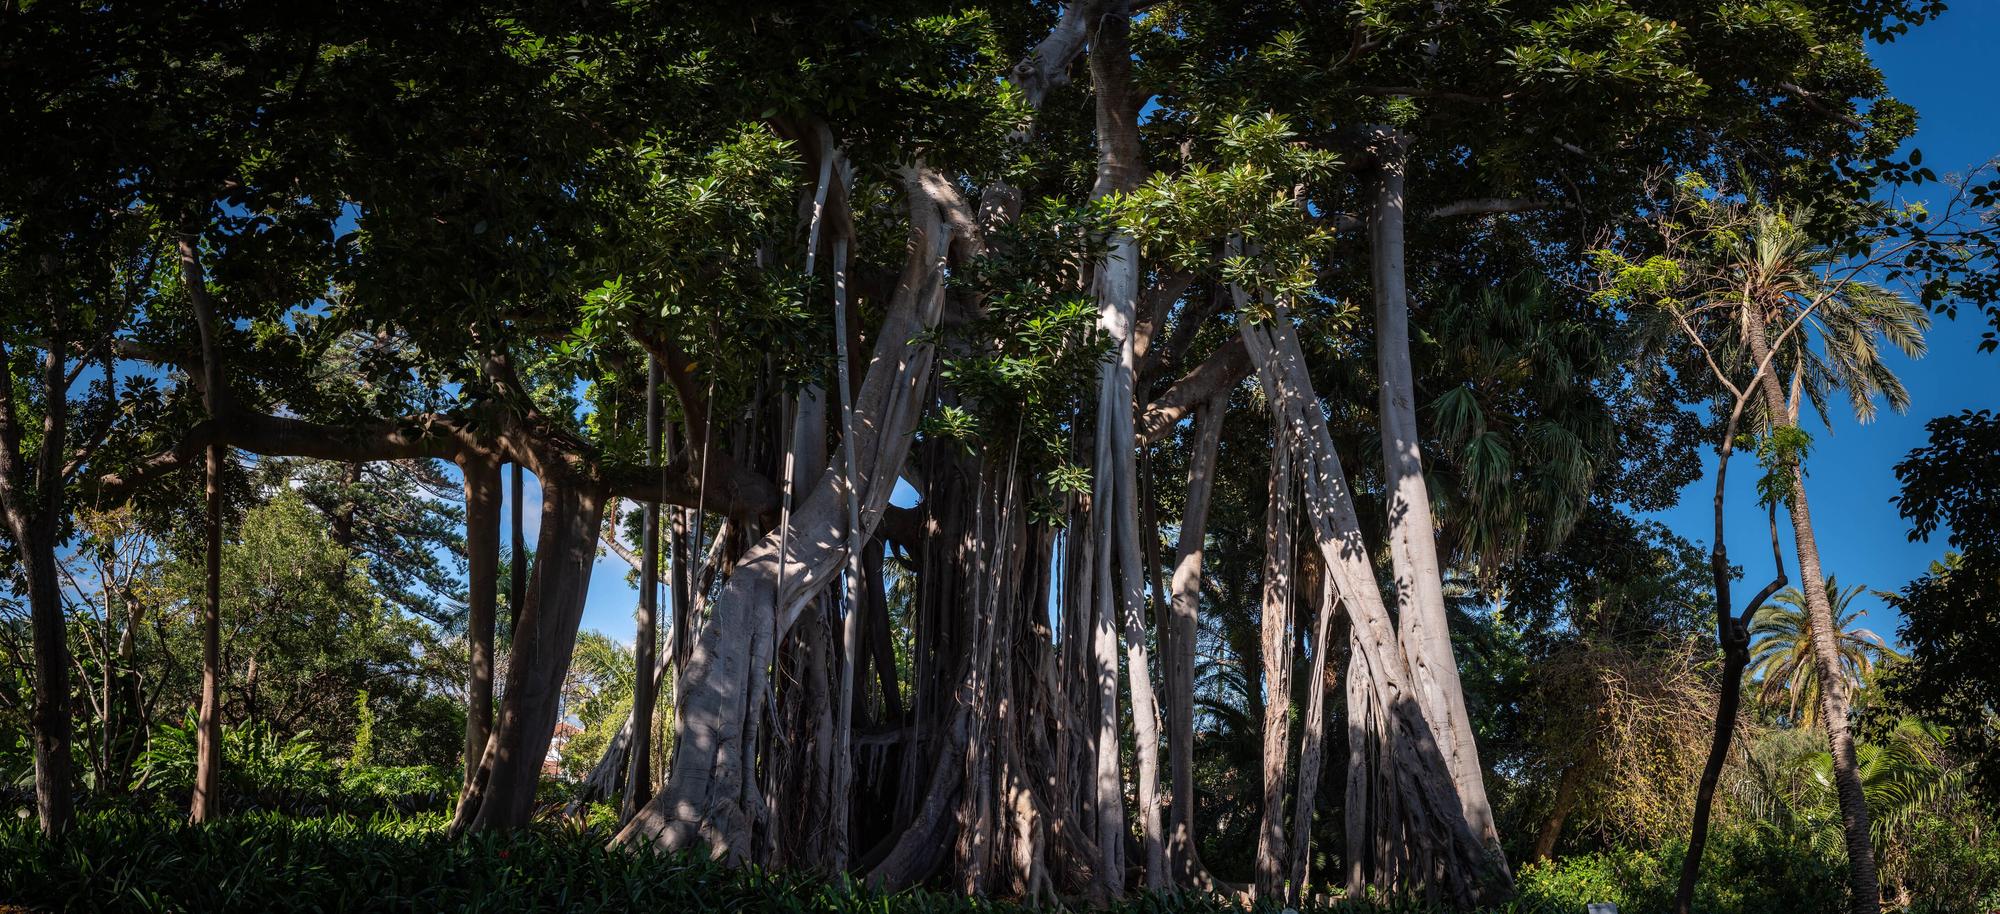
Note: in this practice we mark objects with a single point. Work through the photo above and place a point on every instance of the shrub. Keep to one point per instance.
(259, 768)
(1742, 873)
(409, 788)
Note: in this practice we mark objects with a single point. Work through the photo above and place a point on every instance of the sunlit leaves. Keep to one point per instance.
(1781, 451)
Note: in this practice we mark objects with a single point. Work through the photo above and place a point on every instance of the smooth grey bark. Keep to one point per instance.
(1426, 633)
(1115, 509)
(1420, 785)
(1183, 850)
(503, 790)
(705, 798)
(1362, 724)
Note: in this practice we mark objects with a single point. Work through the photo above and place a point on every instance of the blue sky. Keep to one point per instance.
(1861, 537)
(1851, 474)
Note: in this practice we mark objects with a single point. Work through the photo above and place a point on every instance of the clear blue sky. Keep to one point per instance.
(1851, 474)
(1851, 479)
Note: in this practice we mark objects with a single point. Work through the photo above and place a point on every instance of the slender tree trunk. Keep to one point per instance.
(32, 514)
(607, 778)
(343, 513)
(133, 725)
(1426, 633)
(1120, 167)
(517, 565)
(1865, 890)
(1311, 749)
(54, 805)
(207, 803)
(1734, 658)
(1732, 634)
(1275, 621)
(854, 541)
(482, 553)
(639, 782)
(1567, 788)
(680, 586)
(503, 791)
(1182, 848)
(1362, 759)
(1108, 800)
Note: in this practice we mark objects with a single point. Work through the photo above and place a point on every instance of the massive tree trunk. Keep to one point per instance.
(705, 797)
(1865, 892)
(1432, 826)
(1426, 633)
(482, 555)
(639, 782)
(33, 513)
(1183, 850)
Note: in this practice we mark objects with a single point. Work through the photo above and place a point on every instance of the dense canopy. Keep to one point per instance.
(1063, 451)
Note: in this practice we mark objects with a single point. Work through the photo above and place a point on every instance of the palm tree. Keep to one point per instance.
(1782, 658)
(1907, 775)
(1780, 279)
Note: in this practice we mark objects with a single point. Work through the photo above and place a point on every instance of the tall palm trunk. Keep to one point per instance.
(1426, 634)
(1865, 893)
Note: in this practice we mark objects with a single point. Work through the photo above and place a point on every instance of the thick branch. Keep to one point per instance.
(1224, 369)
(1488, 206)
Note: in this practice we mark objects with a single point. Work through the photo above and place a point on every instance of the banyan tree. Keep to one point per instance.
(912, 350)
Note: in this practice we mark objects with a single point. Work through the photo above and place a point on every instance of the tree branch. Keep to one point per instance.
(1222, 370)
(1487, 206)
